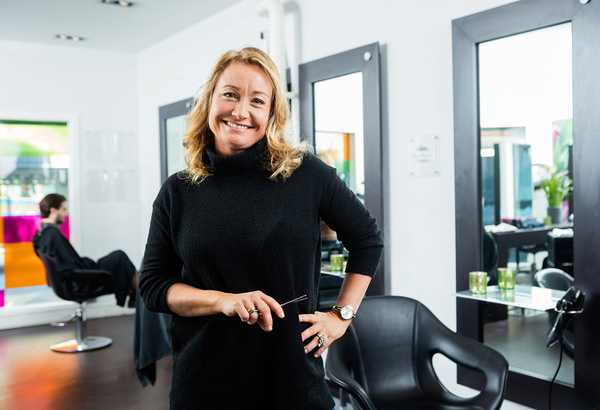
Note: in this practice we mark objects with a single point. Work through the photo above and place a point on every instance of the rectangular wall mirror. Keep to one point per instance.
(340, 111)
(172, 125)
(523, 107)
(526, 122)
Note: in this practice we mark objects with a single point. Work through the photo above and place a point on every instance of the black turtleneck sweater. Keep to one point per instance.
(239, 231)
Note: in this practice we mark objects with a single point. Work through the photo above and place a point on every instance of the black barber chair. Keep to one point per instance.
(531, 249)
(79, 286)
(553, 278)
(384, 361)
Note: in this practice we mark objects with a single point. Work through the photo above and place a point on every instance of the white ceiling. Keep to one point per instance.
(102, 26)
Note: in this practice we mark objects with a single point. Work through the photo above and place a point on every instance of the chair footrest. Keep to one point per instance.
(92, 343)
(71, 318)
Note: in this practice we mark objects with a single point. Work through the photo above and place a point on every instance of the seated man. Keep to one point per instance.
(51, 242)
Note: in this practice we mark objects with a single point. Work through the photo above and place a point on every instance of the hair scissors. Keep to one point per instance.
(295, 300)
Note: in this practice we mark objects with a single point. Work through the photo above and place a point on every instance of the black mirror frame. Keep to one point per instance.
(165, 112)
(337, 65)
(467, 33)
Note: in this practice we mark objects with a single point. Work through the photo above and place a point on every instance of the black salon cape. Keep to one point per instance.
(151, 341)
(51, 242)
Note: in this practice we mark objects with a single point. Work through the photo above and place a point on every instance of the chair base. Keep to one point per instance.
(92, 343)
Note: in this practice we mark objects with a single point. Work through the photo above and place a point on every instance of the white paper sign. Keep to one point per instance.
(424, 156)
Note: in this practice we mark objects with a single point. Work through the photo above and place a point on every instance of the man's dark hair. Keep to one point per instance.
(50, 201)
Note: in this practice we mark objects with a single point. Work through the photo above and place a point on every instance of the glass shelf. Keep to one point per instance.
(527, 297)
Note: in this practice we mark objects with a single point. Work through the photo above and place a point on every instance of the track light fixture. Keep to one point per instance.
(117, 3)
(66, 37)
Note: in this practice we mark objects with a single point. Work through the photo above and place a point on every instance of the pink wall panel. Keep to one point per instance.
(23, 228)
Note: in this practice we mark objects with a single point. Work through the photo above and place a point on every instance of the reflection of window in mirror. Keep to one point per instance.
(526, 111)
(175, 128)
(339, 128)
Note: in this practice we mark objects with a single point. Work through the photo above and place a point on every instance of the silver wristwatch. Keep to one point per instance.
(346, 312)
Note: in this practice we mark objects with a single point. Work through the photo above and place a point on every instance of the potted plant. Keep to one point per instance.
(556, 186)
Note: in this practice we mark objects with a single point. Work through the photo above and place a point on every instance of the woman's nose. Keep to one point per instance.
(241, 109)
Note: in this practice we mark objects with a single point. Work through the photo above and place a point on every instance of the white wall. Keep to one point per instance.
(99, 90)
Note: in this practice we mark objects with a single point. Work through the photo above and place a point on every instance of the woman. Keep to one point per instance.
(236, 235)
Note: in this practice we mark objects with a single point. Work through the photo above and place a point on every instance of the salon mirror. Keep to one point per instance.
(172, 126)
(526, 117)
(340, 113)
(473, 119)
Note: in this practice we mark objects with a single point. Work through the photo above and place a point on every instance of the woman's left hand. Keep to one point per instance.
(328, 324)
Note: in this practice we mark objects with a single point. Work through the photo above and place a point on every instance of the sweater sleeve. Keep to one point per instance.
(356, 228)
(161, 267)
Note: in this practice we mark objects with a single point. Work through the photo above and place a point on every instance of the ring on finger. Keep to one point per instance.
(322, 339)
(252, 310)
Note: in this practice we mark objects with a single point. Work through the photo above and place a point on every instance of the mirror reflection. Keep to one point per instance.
(175, 128)
(339, 142)
(339, 128)
(526, 115)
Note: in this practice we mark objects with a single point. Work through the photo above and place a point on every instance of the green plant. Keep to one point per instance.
(556, 185)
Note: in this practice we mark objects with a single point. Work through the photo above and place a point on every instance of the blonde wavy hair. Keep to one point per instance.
(283, 156)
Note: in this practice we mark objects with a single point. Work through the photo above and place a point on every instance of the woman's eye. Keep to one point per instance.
(257, 101)
(229, 95)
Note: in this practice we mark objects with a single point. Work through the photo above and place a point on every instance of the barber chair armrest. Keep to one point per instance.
(342, 378)
(99, 282)
(98, 272)
(339, 373)
(475, 356)
(92, 275)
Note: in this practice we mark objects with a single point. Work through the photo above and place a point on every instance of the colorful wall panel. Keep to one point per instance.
(34, 162)
(2, 282)
(22, 267)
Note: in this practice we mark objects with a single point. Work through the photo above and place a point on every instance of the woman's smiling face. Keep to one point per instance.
(240, 108)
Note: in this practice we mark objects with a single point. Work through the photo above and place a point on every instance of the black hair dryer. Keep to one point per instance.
(568, 308)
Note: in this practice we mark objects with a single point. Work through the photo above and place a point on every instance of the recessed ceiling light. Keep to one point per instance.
(66, 37)
(118, 3)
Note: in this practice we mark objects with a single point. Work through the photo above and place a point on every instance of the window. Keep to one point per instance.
(34, 162)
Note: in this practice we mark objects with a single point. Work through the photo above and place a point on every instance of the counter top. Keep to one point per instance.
(527, 297)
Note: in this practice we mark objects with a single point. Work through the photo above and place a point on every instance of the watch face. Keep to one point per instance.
(347, 312)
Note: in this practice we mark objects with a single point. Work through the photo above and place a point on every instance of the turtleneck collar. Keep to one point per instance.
(232, 164)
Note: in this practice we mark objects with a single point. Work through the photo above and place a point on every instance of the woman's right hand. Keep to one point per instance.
(252, 308)
(188, 301)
